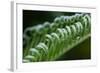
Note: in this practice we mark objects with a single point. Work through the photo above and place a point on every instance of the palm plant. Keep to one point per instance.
(49, 41)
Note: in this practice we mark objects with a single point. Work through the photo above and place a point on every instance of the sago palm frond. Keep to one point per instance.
(48, 41)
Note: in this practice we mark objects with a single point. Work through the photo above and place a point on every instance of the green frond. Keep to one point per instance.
(48, 41)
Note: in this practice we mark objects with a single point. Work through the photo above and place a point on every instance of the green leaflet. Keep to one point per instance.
(57, 42)
(48, 41)
(30, 58)
(74, 31)
(35, 52)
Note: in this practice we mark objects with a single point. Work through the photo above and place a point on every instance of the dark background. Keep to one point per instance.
(31, 18)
